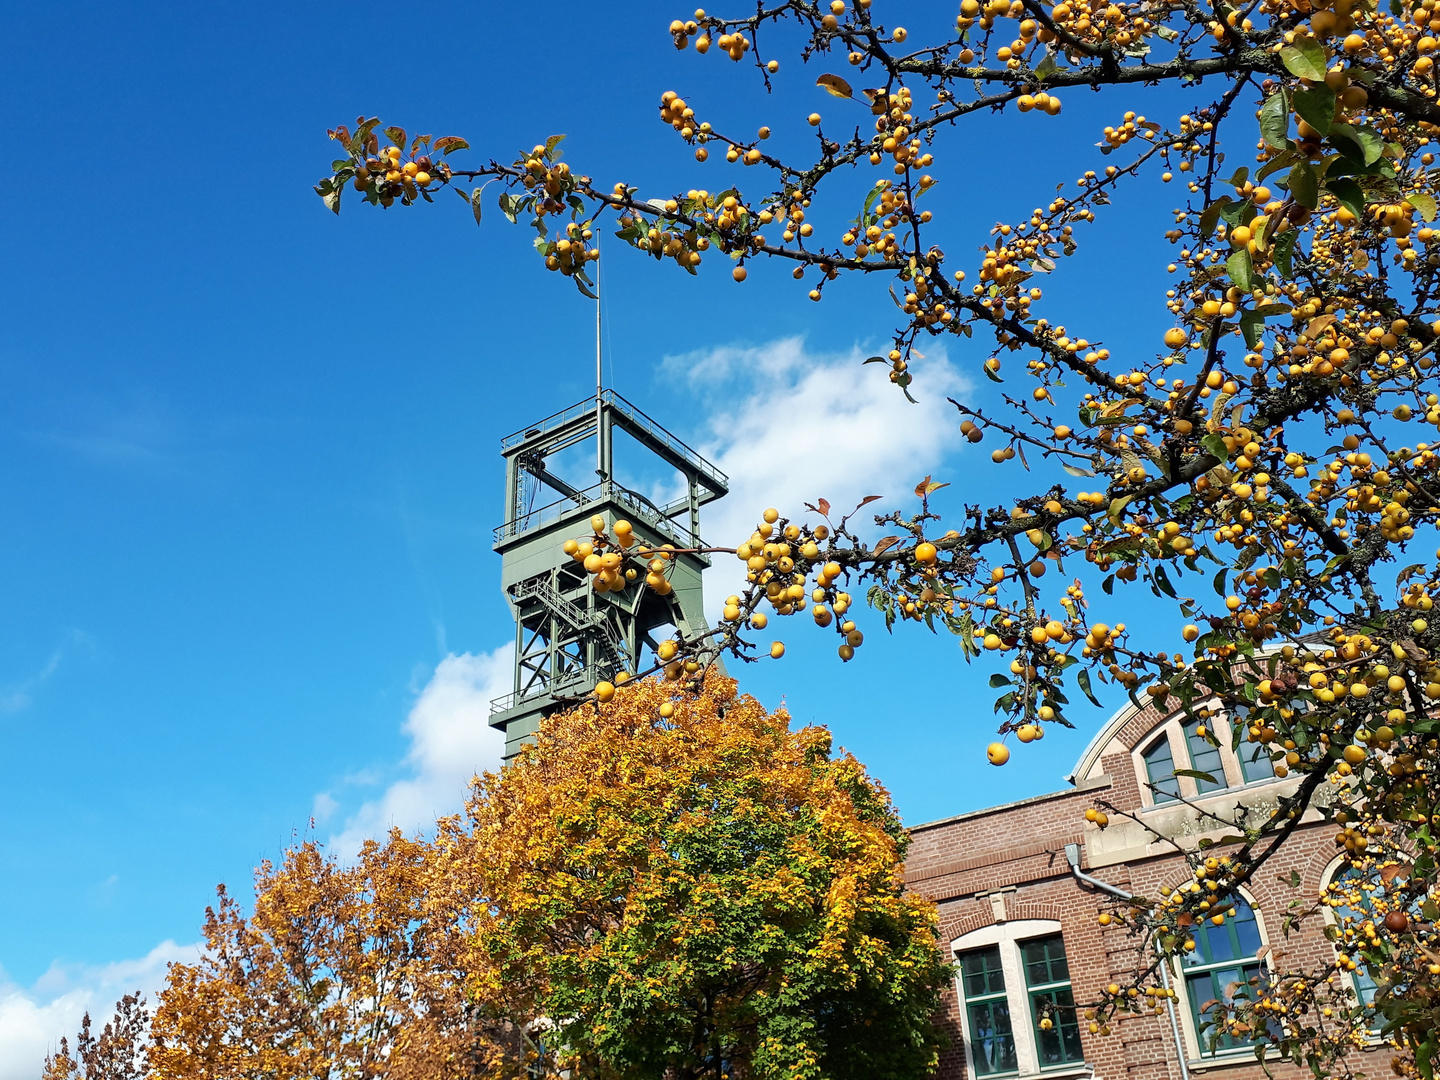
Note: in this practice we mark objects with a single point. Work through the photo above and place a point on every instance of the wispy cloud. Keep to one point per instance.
(140, 432)
(33, 1020)
(451, 740)
(19, 695)
(803, 425)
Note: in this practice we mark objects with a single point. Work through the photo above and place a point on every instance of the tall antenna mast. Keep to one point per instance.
(599, 378)
(599, 382)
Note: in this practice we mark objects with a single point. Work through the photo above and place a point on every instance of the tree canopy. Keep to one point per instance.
(1257, 467)
(690, 888)
(674, 884)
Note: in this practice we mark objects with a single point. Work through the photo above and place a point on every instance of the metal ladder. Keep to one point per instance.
(578, 619)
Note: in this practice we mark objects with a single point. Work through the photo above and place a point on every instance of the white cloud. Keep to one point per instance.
(801, 425)
(19, 697)
(325, 805)
(451, 740)
(32, 1021)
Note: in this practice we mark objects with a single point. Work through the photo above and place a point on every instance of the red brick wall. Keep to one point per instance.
(1021, 847)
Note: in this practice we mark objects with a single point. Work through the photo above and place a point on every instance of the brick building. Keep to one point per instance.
(1024, 925)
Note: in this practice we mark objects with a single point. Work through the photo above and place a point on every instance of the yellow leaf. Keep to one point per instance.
(835, 85)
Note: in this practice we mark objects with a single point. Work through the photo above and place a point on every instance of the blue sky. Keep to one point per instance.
(249, 450)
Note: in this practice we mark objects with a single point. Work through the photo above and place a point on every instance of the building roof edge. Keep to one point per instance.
(1099, 782)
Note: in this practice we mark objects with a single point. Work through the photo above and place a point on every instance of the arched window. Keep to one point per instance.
(1160, 771)
(1224, 967)
(1255, 763)
(1349, 897)
(1204, 757)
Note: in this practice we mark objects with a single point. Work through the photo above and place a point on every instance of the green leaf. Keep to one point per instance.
(1082, 679)
(1239, 268)
(1239, 212)
(1195, 774)
(1282, 250)
(1373, 143)
(1076, 470)
(997, 680)
(1162, 580)
(1305, 59)
(362, 135)
(1349, 194)
(1252, 326)
(1211, 214)
(1046, 66)
(1424, 204)
(396, 135)
(1284, 159)
(1316, 107)
(551, 143)
(1304, 184)
(1275, 120)
(475, 203)
(1363, 144)
(1214, 444)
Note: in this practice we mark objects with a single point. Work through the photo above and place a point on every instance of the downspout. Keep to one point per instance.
(1072, 856)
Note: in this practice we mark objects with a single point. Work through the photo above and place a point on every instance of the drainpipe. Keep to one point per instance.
(1072, 856)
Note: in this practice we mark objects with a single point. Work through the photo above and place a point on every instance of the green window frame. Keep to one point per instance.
(1222, 968)
(987, 1007)
(1160, 771)
(1204, 757)
(1047, 983)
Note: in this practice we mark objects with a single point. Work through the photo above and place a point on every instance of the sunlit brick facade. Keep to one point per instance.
(1010, 906)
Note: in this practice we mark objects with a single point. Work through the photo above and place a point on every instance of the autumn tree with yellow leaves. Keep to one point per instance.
(675, 884)
(1263, 466)
(683, 886)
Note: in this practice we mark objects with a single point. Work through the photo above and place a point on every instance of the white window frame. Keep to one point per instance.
(1198, 1055)
(1009, 936)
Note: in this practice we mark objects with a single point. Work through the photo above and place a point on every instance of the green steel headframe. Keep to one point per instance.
(567, 636)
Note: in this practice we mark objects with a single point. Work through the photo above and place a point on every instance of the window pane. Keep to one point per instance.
(1236, 938)
(1160, 769)
(1350, 883)
(1045, 961)
(1209, 990)
(1255, 762)
(1204, 757)
(981, 972)
(1364, 985)
(1057, 1028)
(1247, 930)
(991, 1040)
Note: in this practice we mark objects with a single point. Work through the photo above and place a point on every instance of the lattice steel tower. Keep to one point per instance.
(567, 636)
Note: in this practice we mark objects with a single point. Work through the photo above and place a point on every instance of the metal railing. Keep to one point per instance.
(640, 507)
(638, 418)
(557, 688)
